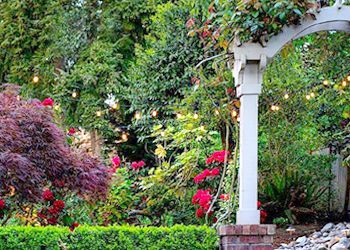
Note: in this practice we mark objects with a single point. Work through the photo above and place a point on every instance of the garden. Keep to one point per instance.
(174, 124)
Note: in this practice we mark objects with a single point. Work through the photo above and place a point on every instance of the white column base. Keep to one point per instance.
(248, 217)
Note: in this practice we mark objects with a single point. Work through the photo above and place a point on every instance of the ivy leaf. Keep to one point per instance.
(298, 12)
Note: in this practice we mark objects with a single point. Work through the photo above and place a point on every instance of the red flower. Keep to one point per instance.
(41, 216)
(71, 131)
(73, 226)
(53, 210)
(202, 198)
(2, 204)
(224, 197)
(217, 157)
(215, 219)
(48, 102)
(116, 161)
(190, 22)
(215, 172)
(58, 183)
(263, 216)
(59, 205)
(52, 221)
(48, 195)
(200, 213)
(259, 204)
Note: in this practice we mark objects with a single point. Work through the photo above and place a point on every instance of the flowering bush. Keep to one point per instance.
(54, 211)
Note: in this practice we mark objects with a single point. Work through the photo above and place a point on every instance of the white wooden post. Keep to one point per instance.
(248, 91)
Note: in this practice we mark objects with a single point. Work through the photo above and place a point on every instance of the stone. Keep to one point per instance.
(302, 241)
(327, 227)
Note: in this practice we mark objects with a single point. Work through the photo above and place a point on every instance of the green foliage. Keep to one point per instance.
(177, 237)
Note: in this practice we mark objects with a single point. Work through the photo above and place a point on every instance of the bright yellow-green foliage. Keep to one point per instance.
(117, 238)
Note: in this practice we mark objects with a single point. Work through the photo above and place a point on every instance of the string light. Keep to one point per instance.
(116, 105)
(18, 98)
(286, 96)
(178, 116)
(98, 113)
(325, 82)
(217, 112)
(312, 94)
(348, 78)
(273, 108)
(36, 79)
(74, 94)
(196, 116)
(138, 115)
(124, 136)
(344, 84)
(238, 119)
(308, 97)
(162, 133)
(202, 128)
(154, 113)
(234, 113)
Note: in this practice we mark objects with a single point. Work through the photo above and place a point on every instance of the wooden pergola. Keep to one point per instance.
(250, 61)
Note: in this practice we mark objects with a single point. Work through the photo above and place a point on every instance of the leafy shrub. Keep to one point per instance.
(125, 237)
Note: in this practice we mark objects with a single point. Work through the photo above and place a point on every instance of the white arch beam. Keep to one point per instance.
(250, 60)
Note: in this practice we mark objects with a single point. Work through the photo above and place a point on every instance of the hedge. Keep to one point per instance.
(113, 237)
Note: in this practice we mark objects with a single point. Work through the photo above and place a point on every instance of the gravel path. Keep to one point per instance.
(331, 236)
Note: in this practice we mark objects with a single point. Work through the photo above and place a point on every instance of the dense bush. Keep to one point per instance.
(177, 237)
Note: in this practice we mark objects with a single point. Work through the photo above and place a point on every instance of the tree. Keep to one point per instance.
(34, 154)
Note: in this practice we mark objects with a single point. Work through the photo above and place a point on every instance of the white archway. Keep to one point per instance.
(250, 60)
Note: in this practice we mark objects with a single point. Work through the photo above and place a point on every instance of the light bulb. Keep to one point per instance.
(344, 84)
(74, 94)
(312, 94)
(195, 116)
(18, 98)
(217, 112)
(124, 136)
(286, 96)
(36, 79)
(116, 106)
(234, 113)
(137, 115)
(326, 82)
(348, 78)
(178, 116)
(238, 119)
(277, 108)
(308, 97)
(162, 133)
(154, 113)
(273, 107)
(99, 113)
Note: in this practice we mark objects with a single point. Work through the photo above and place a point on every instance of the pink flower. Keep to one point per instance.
(224, 197)
(48, 102)
(263, 216)
(134, 165)
(71, 131)
(116, 161)
(137, 165)
(141, 164)
(190, 23)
